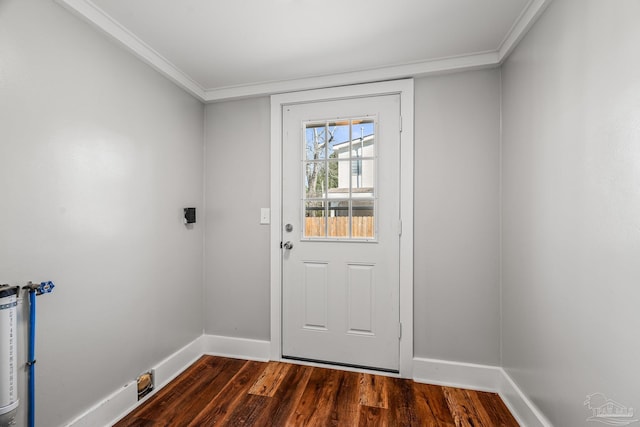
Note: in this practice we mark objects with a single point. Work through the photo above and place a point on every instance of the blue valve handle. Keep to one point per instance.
(42, 288)
(45, 288)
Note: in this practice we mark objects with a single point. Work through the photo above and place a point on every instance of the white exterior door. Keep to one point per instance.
(341, 231)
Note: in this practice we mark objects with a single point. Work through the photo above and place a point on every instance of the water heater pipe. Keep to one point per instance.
(31, 360)
(34, 290)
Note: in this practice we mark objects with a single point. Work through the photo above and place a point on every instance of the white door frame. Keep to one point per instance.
(405, 89)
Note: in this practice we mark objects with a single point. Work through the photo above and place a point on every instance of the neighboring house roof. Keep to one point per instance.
(345, 145)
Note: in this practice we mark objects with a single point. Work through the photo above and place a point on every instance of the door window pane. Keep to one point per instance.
(315, 219)
(362, 219)
(337, 187)
(338, 219)
(362, 177)
(362, 139)
(315, 180)
(315, 141)
(339, 178)
(338, 138)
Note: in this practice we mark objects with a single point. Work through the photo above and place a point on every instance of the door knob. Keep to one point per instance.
(288, 245)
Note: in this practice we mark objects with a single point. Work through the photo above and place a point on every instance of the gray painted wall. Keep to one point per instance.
(99, 156)
(237, 288)
(456, 237)
(571, 208)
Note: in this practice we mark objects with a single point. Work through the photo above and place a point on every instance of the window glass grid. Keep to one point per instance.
(339, 172)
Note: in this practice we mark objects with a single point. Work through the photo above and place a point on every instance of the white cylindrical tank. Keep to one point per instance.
(8, 353)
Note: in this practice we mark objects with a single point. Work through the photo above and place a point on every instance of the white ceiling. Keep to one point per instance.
(219, 49)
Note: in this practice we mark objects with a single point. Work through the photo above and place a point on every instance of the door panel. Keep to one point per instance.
(360, 288)
(315, 287)
(340, 178)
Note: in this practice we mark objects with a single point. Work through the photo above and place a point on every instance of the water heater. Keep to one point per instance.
(8, 354)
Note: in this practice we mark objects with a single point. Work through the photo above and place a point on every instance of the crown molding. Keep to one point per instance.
(520, 28)
(419, 69)
(95, 16)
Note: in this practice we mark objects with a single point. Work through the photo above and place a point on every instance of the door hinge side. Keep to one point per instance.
(400, 123)
(400, 227)
(399, 330)
(280, 244)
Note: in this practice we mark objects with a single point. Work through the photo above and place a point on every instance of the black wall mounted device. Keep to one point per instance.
(189, 215)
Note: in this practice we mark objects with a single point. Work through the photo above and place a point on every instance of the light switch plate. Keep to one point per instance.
(265, 215)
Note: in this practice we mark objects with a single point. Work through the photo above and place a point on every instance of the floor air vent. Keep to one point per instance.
(145, 384)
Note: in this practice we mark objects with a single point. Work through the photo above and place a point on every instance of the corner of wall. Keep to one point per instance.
(482, 378)
(500, 279)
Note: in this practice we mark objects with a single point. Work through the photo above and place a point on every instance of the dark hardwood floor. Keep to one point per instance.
(231, 392)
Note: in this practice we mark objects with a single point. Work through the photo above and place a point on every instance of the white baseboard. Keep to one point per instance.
(456, 374)
(431, 371)
(124, 400)
(103, 413)
(481, 378)
(238, 348)
(519, 404)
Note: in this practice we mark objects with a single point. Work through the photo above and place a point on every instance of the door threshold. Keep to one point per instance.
(354, 367)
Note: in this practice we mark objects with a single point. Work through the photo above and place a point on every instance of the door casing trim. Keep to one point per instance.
(405, 89)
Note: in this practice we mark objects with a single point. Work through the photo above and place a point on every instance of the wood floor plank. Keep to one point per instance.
(130, 421)
(346, 402)
(475, 403)
(370, 416)
(373, 391)
(270, 379)
(201, 382)
(497, 410)
(169, 395)
(286, 397)
(317, 400)
(214, 385)
(257, 411)
(431, 405)
(229, 397)
(462, 409)
(400, 392)
(247, 412)
(218, 391)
